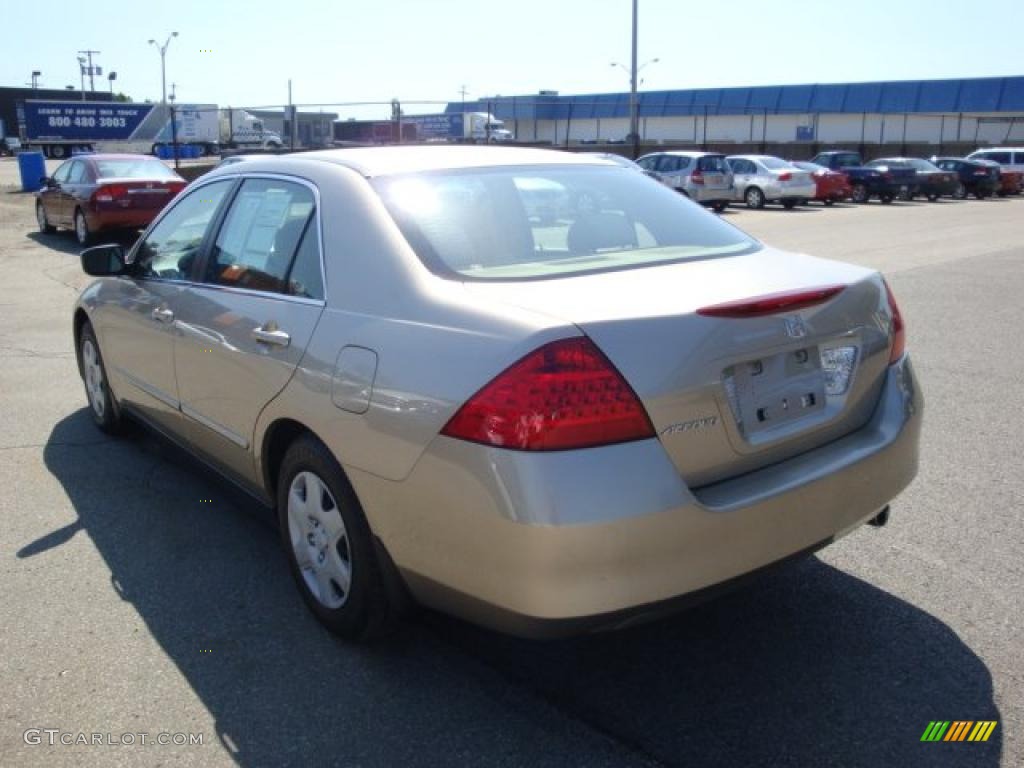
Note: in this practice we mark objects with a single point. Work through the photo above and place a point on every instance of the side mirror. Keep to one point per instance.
(103, 260)
(47, 182)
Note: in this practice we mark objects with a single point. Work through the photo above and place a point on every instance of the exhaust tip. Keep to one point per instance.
(881, 518)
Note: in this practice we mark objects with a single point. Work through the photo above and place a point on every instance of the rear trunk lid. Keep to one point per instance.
(728, 395)
(136, 194)
(715, 171)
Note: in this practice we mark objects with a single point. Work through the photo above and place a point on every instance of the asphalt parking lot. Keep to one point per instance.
(140, 595)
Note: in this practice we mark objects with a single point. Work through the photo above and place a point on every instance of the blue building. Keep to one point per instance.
(972, 111)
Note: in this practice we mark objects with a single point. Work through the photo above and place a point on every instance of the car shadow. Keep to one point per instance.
(64, 241)
(811, 666)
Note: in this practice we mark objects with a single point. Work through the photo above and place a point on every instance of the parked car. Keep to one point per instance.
(930, 180)
(543, 430)
(974, 177)
(760, 179)
(1010, 158)
(9, 145)
(94, 193)
(829, 185)
(866, 183)
(702, 176)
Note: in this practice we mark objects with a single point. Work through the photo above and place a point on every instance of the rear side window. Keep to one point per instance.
(305, 278)
(260, 235)
(1003, 158)
(516, 223)
(672, 163)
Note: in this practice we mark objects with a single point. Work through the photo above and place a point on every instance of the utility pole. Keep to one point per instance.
(81, 74)
(633, 121)
(92, 72)
(463, 92)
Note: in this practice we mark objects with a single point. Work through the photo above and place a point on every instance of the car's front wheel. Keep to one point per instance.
(329, 544)
(860, 193)
(102, 406)
(42, 219)
(960, 193)
(82, 233)
(719, 206)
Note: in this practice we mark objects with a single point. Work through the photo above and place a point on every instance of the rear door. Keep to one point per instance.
(717, 174)
(244, 326)
(76, 190)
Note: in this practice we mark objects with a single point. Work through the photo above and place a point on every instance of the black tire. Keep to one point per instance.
(830, 201)
(43, 220)
(886, 199)
(720, 206)
(105, 412)
(905, 193)
(81, 227)
(754, 198)
(789, 205)
(367, 610)
(932, 197)
(860, 194)
(57, 151)
(960, 193)
(981, 195)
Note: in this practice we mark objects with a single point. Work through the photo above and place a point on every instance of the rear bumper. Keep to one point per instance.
(555, 543)
(120, 219)
(704, 194)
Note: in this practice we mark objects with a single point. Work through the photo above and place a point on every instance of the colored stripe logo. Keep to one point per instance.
(959, 730)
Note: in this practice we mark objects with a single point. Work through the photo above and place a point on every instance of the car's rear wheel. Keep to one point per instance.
(860, 193)
(42, 220)
(754, 198)
(886, 199)
(960, 193)
(905, 193)
(932, 197)
(789, 205)
(329, 544)
(57, 151)
(720, 206)
(829, 201)
(102, 406)
(82, 233)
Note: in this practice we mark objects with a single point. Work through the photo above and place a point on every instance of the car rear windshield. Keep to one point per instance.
(775, 164)
(922, 165)
(130, 168)
(522, 223)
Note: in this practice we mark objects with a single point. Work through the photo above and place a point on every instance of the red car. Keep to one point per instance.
(91, 193)
(829, 185)
(1010, 182)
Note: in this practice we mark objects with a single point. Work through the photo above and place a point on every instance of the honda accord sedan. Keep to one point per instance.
(92, 193)
(542, 428)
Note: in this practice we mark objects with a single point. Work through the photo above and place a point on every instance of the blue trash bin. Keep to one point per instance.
(32, 167)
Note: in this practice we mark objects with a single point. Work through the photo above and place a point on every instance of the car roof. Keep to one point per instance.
(998, 149)
(759, 157)
(685, 153)
(384, 161)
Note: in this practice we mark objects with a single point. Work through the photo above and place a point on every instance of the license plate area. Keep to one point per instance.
(776, 390)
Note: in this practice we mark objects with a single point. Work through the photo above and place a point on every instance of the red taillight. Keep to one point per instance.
(785, 176)
(108, 193)
(899, 332)
(773, 303)
(697, 177)
(566, 394)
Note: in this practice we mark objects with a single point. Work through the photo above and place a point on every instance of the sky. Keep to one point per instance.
(243, 53)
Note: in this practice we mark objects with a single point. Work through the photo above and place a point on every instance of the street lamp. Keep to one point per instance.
(35, 79)
(163, 62)
(81, 71)
(633, 71)
(111, 77)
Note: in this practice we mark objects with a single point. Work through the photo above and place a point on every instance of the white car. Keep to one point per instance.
(760, 179)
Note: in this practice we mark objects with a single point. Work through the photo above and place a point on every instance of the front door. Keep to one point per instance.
(139, 318)
(243, 328)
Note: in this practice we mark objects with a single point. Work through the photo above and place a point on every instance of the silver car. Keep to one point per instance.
(701, 176)
(760, 179)
(540, 428)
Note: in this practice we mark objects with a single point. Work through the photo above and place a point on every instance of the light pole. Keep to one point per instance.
(81, 72)
(111, 77)
(163, 63)
(35, 79)
(633, 71)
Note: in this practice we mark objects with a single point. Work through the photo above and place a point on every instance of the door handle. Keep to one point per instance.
(163, 314)
(269, 333)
